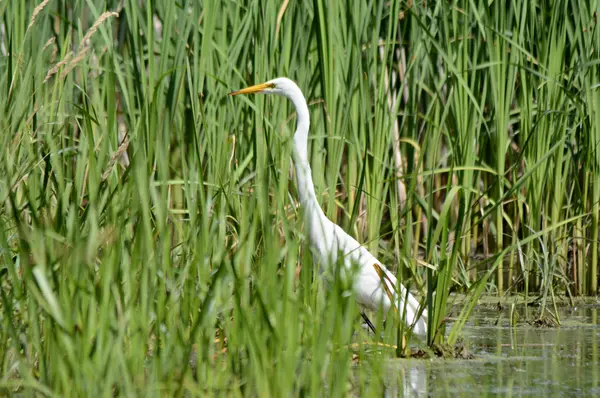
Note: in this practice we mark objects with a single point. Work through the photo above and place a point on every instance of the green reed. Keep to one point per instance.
(151, 241)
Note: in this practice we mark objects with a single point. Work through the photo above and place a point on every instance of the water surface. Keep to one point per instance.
(514, 362)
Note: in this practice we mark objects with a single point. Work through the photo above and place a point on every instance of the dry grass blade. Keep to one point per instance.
(84, 47)
(384, 282)
(36, 12)
(116, 156)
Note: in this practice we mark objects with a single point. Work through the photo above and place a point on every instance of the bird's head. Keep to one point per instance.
(286, 88)
(280, 86)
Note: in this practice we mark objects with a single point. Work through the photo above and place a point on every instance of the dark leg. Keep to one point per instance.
(368, 321)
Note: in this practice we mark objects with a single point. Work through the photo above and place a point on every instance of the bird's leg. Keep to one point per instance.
(368, 322)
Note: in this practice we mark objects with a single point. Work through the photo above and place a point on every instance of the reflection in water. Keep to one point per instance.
(521, 361)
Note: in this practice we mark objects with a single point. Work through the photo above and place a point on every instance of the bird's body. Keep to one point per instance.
(328, 241)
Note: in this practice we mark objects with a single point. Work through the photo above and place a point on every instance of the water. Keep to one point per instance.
(515, 362)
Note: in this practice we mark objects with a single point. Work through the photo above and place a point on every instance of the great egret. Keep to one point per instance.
(375, 287)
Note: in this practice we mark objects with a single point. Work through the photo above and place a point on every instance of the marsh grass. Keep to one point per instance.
(151, 241)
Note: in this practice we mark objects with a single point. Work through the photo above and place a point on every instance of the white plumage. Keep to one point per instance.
(327, 239)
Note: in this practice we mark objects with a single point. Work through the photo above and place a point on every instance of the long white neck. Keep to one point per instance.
(306, 189)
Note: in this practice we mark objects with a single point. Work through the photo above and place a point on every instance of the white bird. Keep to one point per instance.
(375, 287)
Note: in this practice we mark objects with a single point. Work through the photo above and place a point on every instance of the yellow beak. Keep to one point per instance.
(259, 88)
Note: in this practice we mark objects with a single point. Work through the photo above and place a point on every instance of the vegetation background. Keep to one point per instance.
(150, 238)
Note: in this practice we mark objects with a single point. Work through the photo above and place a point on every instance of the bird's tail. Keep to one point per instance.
(410, 310)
